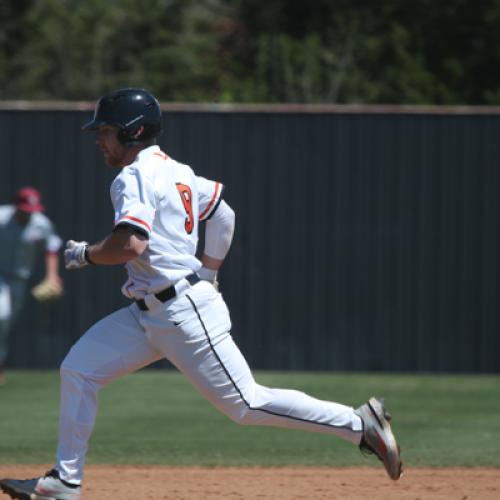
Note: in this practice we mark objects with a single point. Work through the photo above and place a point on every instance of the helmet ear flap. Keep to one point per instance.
(130, 136)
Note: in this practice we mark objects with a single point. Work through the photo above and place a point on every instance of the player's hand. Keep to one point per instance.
(74, 255)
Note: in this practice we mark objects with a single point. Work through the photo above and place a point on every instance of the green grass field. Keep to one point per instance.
(156, 417)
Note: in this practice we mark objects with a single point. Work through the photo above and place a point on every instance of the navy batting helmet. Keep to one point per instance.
(128, 109)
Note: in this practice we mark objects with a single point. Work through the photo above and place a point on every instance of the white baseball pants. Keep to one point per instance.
(192, 332)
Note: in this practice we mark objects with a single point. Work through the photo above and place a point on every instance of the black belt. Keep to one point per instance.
(168, 293)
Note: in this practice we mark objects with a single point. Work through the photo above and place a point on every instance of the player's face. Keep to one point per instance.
(23, 217)
(115, 153)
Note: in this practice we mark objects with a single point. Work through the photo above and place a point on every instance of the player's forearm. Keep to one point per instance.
(119, 247)
(52, 266)
(219, 232)
(211, 263)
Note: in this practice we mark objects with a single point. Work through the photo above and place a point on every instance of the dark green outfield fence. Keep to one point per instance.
(366, 239)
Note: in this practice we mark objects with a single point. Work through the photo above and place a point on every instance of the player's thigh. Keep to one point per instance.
(201, 346)
(112, 347)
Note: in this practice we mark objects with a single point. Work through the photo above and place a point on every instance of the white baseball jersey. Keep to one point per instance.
(165, 200)
(19, 244)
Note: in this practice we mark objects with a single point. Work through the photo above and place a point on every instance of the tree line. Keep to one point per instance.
(333, 51)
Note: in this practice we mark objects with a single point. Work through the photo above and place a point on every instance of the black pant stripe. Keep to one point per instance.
(238, 389)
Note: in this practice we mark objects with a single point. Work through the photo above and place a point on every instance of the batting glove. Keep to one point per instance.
(74, 255)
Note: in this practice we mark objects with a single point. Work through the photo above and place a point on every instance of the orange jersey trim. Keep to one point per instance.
(135, 219)
(162, 155)
(212, 201)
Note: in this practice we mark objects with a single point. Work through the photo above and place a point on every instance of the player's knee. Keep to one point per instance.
(249, 410)
(235, 410)
(239, 415)
(71, 380)
(77, 381)
(68, 371)
(247, 417)
(244, 415)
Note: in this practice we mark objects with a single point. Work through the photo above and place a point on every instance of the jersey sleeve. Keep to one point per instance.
(50, 239)
(209, 196)
(53, 243)
(133, 198)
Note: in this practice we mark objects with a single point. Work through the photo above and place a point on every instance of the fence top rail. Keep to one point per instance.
(25, 105)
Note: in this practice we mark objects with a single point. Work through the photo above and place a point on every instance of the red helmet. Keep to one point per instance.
(28, 199)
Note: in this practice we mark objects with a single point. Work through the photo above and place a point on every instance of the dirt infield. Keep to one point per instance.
(289, 483)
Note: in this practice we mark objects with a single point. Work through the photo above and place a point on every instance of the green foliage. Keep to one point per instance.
(80, 49)
(420, 52)
(156, 417)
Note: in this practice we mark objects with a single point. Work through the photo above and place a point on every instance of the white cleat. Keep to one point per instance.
(378, 437)
(48, 487)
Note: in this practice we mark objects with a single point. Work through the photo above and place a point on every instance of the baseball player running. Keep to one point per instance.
(176, 311)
